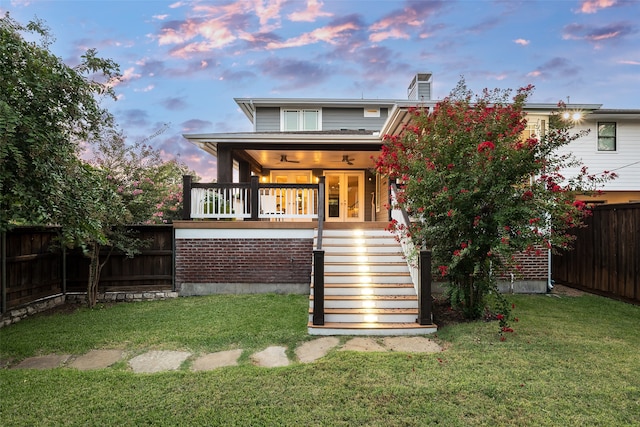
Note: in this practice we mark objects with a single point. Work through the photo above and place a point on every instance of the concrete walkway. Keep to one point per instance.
(270, 357)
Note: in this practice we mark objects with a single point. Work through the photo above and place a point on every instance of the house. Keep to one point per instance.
(613, 144)
(306, 186)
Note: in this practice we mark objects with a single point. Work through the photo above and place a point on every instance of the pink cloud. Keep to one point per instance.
(327, 34)
(592, 6)
(629, 62)
(597, 34)
(394, 33)
(522, 42)
(268, 12)
(396, 24)
(311, 13)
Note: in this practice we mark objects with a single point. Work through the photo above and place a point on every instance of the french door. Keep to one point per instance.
(344, 196)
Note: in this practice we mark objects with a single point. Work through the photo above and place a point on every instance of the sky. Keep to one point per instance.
(183, 62)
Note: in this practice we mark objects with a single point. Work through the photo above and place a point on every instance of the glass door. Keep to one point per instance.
(292, 202)
(344, 196)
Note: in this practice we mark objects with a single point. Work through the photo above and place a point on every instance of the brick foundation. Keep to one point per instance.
(243, 261)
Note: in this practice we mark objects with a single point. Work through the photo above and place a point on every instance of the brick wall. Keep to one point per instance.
(243, 260)
(530, 266)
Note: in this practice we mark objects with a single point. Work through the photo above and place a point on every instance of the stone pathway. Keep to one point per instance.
(270, 357)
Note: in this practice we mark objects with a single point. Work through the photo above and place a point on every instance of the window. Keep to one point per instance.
(293, 120)
(606, 136)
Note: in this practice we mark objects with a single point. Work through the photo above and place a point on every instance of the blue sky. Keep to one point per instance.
(183, 62)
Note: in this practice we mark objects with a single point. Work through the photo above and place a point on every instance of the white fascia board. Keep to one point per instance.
(282, 137)
(243, 233)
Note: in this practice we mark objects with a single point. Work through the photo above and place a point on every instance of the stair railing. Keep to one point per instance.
(318, 262)
(419, 262)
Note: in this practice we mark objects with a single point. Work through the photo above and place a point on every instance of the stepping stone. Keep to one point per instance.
(220, 359)
(362, 344)
(411, 344)
(313, 350)
(43, 362)
(271, 357)
(97, 359)
(158, 361)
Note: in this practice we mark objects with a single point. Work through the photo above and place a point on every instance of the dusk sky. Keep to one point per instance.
(183, 62)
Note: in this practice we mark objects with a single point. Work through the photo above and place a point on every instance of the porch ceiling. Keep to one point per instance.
(312, 159)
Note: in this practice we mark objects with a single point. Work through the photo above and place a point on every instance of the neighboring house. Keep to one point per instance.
(613, 144)
(309, 160)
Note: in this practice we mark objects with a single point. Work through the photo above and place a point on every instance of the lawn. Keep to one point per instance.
(572, 361)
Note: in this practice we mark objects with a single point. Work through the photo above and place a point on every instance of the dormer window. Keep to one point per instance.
(297, 120)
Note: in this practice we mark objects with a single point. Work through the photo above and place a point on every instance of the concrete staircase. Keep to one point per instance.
(368, 287)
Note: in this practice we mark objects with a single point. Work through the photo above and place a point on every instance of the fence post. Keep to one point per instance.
(254, 197)
(3, 274)
(424, 289)
(186, 197)
(318, 288)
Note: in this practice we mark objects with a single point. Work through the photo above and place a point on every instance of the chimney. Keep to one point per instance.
(420, 87)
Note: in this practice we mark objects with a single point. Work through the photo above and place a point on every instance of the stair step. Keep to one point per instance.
(356, 250)
(367, 279)
(369, 301)
(350, 257)
(348, 316)
(367, 291)
(365, 268)
(378, 329)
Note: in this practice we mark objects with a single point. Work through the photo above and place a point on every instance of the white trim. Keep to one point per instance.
(245, 233)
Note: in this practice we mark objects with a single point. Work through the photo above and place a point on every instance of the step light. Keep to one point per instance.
(370, 318)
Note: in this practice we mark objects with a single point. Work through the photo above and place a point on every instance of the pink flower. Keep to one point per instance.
(487, 145)
(443, 270)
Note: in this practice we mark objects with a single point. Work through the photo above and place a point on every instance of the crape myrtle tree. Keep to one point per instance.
(480, 190)
(150, 186)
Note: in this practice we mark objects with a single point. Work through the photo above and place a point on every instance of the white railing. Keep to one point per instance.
(220, 203)
(289, 203)
(253, 201)
(402, 228)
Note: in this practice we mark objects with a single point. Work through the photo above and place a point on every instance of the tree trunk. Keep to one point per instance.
(94, 275)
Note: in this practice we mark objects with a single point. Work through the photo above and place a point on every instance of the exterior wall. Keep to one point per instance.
(243, 261)
(621, 161)
(352, 119)
(268, 119)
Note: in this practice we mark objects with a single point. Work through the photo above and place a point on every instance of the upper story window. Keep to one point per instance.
(293, 120)
(606, 136)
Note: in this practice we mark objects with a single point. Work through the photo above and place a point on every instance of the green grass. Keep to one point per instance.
(572, 361)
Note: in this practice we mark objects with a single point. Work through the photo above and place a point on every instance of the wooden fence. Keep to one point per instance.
(33, 268)
(606, 255)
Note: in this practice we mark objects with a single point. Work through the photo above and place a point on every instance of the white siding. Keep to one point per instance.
(620, 161)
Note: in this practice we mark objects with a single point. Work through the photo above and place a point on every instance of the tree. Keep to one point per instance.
(150, 187)
(46, 110)
(480, 191)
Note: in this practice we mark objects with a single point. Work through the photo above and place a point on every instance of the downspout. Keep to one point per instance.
(549, 280)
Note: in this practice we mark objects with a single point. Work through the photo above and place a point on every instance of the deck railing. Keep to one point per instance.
(252, 201)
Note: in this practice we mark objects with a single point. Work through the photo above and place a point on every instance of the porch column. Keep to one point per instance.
(225, 164)
(244, 171)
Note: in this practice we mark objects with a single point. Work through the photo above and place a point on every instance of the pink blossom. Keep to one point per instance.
(486, 145)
